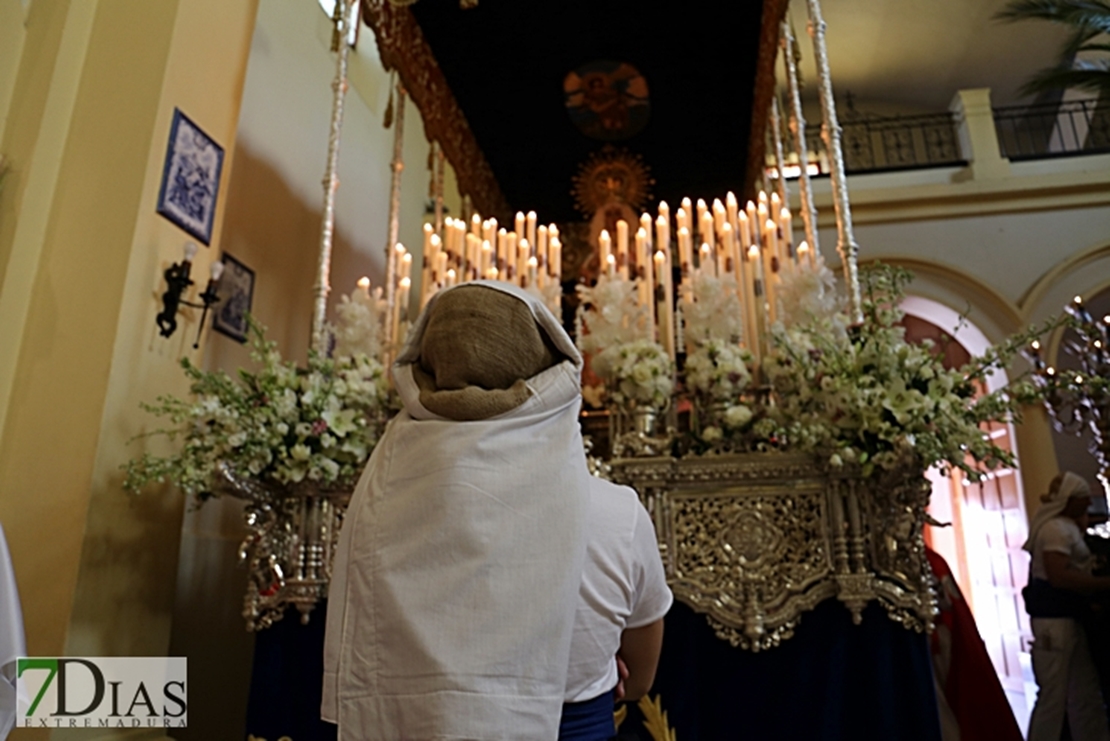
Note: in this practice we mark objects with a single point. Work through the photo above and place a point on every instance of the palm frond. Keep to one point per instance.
(1088, 20)
(1085, 14)
(1063, 77)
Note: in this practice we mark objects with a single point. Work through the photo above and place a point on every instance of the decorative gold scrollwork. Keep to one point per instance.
(755, 540)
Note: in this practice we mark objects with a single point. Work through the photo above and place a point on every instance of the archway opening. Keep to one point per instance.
(988, 520)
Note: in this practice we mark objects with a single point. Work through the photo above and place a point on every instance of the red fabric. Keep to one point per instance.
(963, 666)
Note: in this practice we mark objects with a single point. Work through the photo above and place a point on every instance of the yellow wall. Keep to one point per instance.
(82, 251)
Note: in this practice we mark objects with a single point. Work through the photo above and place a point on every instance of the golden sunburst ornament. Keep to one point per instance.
(612, 174)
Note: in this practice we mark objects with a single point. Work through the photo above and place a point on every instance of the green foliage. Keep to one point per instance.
(281, 424)
(865, 395)
(1089, 24)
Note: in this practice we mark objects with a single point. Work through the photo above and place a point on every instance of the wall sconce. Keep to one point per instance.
(177, 280)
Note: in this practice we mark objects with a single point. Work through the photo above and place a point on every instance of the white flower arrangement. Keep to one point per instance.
(281, 425)
(717, 370)
(638, 373)
(715, 312)
(613, 315)
(869, 397)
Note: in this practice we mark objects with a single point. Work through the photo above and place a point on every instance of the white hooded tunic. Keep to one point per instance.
(454, 589)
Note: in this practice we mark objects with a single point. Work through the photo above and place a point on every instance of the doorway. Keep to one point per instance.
(988, 523)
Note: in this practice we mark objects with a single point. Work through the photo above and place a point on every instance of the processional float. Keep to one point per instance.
(755, 531)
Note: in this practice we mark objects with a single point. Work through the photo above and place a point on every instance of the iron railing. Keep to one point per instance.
(1053, 129)
(897, 143)
(875, 144)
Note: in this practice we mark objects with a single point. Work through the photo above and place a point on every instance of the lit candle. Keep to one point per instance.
(786, 233)
(706, 265)
(505, 258)
(518, 224)
(706, 228)
(622, 248)
(665, 213)
(531, 228)
(770, 268)
(663, 235)
(521, 250)
(702, 208)
(486, 259)
(646, 272)
(395, 256)
(718, 215)
(476, 225)
(681, 219)
(732, 211)
(745, 230)
(611, 265)
(452, 277)
(754, 222)
(440, 268)
(533, 267)
(727, 254)
(605, 246)
(555, 259)
(471, 267)
(666, 321)
(685, 256)
(427, 237)
(756, 302)
(406, 265)
(645, 286)
(364, 287)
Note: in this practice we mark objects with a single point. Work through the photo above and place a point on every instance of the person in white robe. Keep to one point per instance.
(453, 595)
(1060, 583)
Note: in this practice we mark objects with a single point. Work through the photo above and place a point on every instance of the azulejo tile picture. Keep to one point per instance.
(190, 178)
(236, 292)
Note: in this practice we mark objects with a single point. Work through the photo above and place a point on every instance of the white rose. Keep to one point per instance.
(737, 416)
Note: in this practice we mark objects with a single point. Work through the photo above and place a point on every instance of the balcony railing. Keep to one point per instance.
(882, 144)
(874, 144)
(1053, 130)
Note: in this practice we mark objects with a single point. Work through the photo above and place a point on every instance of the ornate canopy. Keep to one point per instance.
(490, 83)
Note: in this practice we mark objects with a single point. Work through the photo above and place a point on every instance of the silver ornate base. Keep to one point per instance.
(755, 540)
(290, 545)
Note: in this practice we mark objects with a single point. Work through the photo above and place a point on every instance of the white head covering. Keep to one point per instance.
(1054, 502)
(454, 589)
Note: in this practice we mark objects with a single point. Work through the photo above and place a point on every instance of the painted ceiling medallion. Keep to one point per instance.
(607, 100)
(609, 175)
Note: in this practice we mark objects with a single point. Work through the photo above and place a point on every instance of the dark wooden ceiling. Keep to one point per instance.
(505, 62)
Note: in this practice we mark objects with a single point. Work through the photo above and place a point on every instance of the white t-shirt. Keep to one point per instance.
(1060, 535)
(623, 586)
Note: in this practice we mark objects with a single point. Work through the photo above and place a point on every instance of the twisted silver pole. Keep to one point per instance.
(797, 123)
(437, 186)
(331, 183)
(780, 162)
(397, 165)
(831, 133)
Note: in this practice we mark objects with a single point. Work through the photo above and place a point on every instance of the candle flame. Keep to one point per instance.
(364, 282)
